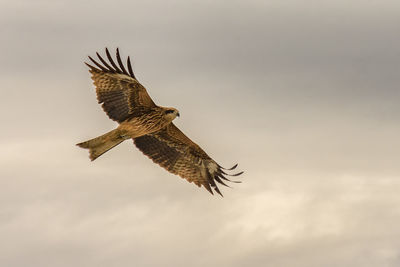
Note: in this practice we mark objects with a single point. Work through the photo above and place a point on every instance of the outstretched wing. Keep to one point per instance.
(176, 153)
(117, 88)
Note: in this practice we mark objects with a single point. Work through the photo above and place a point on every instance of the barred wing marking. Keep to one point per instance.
(175, 152)
(117, 88)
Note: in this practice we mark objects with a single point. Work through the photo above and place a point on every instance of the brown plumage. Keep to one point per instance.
(150, 126)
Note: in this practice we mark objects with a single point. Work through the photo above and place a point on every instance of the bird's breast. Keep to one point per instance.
(145, 124)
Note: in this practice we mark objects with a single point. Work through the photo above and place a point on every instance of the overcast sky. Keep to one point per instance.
(304, 95)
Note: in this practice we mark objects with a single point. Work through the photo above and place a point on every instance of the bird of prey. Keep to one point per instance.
(127, 102)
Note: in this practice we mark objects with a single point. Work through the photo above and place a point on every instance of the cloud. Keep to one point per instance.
(303, 95)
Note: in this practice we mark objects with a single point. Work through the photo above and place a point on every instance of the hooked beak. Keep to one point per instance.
(178, 115)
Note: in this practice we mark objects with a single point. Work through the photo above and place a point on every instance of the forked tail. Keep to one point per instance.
(101, 144)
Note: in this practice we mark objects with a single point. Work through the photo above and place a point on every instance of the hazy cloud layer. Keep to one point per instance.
(303, 94)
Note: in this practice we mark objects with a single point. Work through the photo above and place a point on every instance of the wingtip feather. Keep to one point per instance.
(121, 65)
(112, 61)
(130, 68)
(208, 187)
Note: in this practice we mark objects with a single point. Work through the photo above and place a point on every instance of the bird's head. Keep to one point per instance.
(171, 113)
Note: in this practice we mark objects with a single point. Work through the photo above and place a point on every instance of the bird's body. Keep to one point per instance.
(144, 121)
(150, 126)
(147, 121)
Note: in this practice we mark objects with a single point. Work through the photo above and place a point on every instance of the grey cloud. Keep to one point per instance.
(304, 95)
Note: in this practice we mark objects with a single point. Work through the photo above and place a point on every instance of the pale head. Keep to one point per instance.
(170, 113)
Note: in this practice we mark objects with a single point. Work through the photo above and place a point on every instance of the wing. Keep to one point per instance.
(176, 153)
(117, 88)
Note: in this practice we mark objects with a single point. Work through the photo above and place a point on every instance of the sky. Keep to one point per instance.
(304, 95)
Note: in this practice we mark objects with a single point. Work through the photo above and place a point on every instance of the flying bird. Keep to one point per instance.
(150, 126)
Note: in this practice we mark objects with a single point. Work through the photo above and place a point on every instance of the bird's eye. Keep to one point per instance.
(168, 111)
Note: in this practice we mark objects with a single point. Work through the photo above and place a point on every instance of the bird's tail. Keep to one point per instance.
(101, 144)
